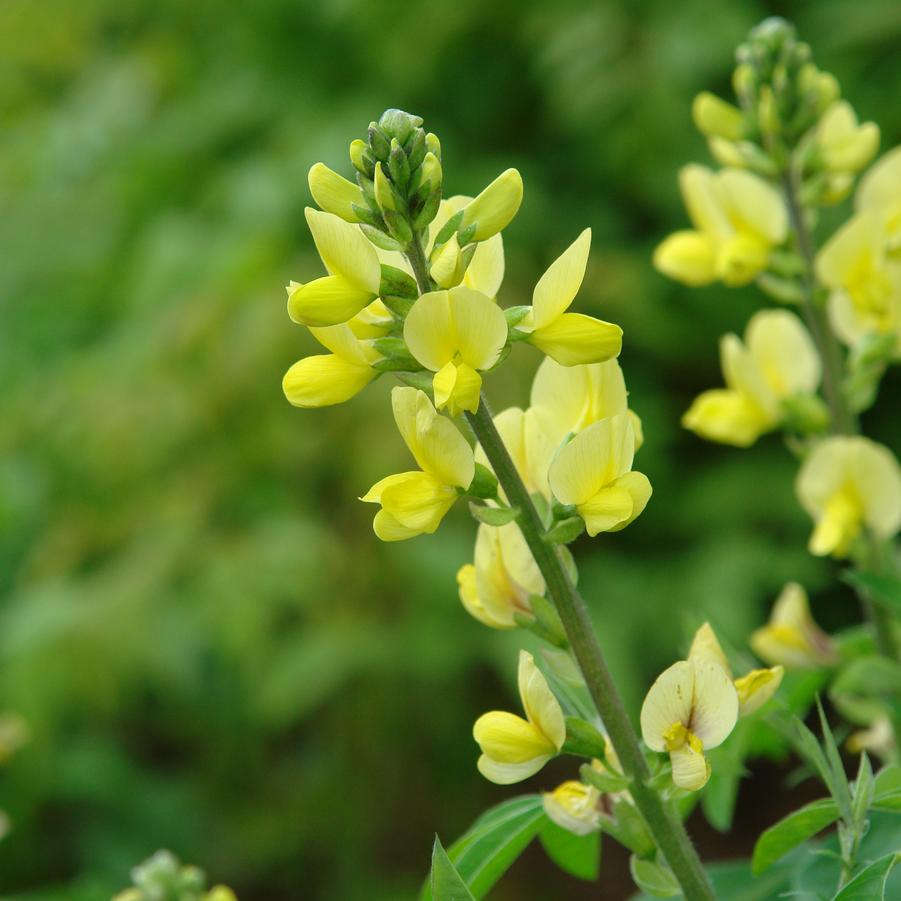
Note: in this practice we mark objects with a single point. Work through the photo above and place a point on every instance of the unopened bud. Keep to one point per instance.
(433, 144)
(384, 192)
(398, 165)
(715, 117)
(495, 207)
(361, 157)
(396, 123)
(744, 82)
(430, 173)
(415, 149)
(378, 142)
(334, 193)
(806, 414)
(767, 113)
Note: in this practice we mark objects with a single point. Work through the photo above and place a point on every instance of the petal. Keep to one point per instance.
(329, 300)
(374, 495)
(756, 688)
(714, 704)
(458, 387)
(429, 330)
(557, 288)
(609, 508)
(495, 207)
(419, 502)
(507, 738)
(639, 488)
(446, 266)
(333, 193)
(575, 338)
(325, 379)
(472, 602)
(436, 443)
(690, 768)
(518, 560)
(881, 186)
(702, 201)
(480, 327)
(706, 646)
(727, 417)
(877, 480)
(387, 528)
(754, 204)
(574, 806)
(849, 248)
(508, 773)
(743, 374)
(823, 473)
(688, 257)
(741, 258)
(341, 341)
(542, 708)
(345, 250)
(667, 702)
(784, 352)
(485, 272)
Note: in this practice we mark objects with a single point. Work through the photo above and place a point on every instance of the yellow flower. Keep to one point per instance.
(714, 117)
(593, 472)
(863, 280)
(334, 193)
(499, 582)
(848, 484)
(574, 806)
(354, 274)
(738, 219)
(456, 334)
(692, 707)
(777, 360)
(792, 637)
(880, 192)
(844, 145)
(495, 207)
(754, 688)
(570, 338)
(414, 503)
(514, 748)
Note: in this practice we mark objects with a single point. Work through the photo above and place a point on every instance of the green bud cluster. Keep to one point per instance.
(163, 878)
(399, 172)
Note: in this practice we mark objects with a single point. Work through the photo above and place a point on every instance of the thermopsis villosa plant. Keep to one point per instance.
(411, 288)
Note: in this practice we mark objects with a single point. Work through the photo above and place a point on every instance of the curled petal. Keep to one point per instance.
(574, 338)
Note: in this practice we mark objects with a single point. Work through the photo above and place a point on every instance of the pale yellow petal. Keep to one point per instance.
(574, 338)
(688, 257)
(690, 768)
(727, 417)
(387, 528)
(638, 486)
(606, 510)
(485, 272)
(743, 374)
(756, 688)
(754, 204)
(860, 237)
(509, 773)
(429, 330)
(479, 325)
(467, 584)
(341, 341)
(574, 806)
(702, 201)
(784, 352)
(668, 701)
(419, 502)
(334, 193)
(495, 207)
(557, 288)
(325, 379)
(345, 250)
(706, 646)
(880, 188)
(325, 301)
(542, 708)
(507, 738)
(877, 480)
(714, 703)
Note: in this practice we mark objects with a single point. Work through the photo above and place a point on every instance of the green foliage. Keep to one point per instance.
(653, 878)
(869, 884)
(793, 830)
(445, 882)
(578, 855)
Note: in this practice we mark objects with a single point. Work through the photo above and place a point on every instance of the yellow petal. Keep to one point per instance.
(387, 528)
(714, 703)
(457, 387)
(419, 502)
(754, 204)
(343, 342)
(606, 510)
(756, 688)
(542, 708)
(495, 207)
(713, 116)
(706, 646)
(335, 194)
(688, 257)
(741, 258)
(446, 266)
(744, 375)
(837, 527)
(485, 272)
(345, 251)
(690, 768)
(638, 486)
(509, 773)
(505, 573)
(325, 379)
(530, 445)
(329, 300)
(668, 701)
(727, 417)
(574, 806)
(472, 602)
(429, 330)
(784, 352)
(507, 738)
(844, 145)
(480, 325)
(557, 288)
(702, 201)
(574, 338)
(880, 188)
(851, 249)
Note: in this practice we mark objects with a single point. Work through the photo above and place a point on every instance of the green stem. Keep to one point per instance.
(843, 420)
(665, 825)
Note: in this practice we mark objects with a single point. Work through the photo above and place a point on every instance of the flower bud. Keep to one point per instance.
(378, 142)
(396, 123)
(744, 82)
(715, 117)
(495, 207)
(398, 165)
(430, 173)
(361, 158)
(384, 192)
(433, 144)
(335, 194)
(767, 111)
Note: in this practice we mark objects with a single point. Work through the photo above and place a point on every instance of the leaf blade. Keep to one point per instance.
(791, 831)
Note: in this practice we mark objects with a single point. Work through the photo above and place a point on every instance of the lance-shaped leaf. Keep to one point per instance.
(869, 883)
(445, 882)
(578, 855)
(791, 831)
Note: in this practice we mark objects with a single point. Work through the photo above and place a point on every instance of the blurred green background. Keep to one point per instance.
(211, 650)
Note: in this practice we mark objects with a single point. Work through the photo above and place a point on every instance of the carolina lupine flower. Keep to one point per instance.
(776, 362)
(844, 145)
(574, 806)
(414, 503)
(754, 688)
(738, 219)
(691, 708)
(493, 209)
(514, 748)
(593, 472)
(849, 483)
(354, 275)
(456, 334)
(570, 338)
(792, 637)
(864, 281)
(502, 577)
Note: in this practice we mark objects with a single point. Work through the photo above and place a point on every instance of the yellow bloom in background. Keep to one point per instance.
(849, 483)
(570, 338)
(354, 274)
(574, 806)
(792, 637)
(777, 360)
(880, 192)
(754, 688)
(456, 334)
(845, 145)
(514, 748)
(593, 473)
(334, 193)
(502, 577)
(738, 219)
(692, 707)
(414, 503)
(878, 739)
(715, 117)
(863, 280)
(493, 210)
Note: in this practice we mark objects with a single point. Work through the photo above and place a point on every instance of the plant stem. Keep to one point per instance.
(666, 827)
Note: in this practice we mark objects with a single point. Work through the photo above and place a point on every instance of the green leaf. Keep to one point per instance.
(654, 879)
(838, 788)
(583, 739)
(891, 802)
(862, 795)
(445, 882)
(862, 688)
(605, 782)
(789, 832)
(868, 884)
(493, 516)
(887, 780)
(566, 530)
(487, 850)
(578, 855)
(884, 589)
